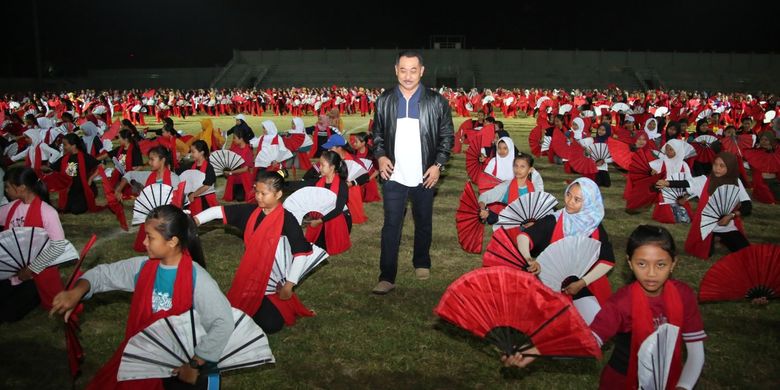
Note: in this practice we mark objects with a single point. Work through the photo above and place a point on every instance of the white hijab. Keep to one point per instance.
(581, 127)
(298, 126)
(90, 132)
(270, 132)
(504, 165)
(676, 164)
(651, 134)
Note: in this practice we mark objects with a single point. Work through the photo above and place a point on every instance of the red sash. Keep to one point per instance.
(514, 191)
(600, 288)
(141, 316)
(694, 243)
(82, 172)
(355, 198)
(336, 231)
(138, 245)
(642, 327)
(211, 199)
(35, 165)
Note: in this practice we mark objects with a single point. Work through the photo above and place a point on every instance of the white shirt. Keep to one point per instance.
(408, 168)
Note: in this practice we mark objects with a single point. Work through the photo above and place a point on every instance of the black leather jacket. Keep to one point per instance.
(436, 129)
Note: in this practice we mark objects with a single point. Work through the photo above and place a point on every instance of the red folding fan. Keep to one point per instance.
(112, 132)
(113, 204)
(486, 182)
(766, 162)
(535, 140)
(473, 166)
(703, 147)
(501, 250)
(514, 311)
(621, 152)
(559, 146)
(750, 273)
(57, 181)
(581, 163)
(642, 192)
(471, 231)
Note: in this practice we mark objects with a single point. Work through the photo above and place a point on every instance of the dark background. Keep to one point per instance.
(79, 35)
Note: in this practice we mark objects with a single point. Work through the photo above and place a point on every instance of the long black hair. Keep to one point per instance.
(201, 146)
(26, 176)
(74, 139)
(173, 222)
(334, 159)
(651, 235)
(162, 152)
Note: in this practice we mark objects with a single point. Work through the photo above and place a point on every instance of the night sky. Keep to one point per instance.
(78, 35)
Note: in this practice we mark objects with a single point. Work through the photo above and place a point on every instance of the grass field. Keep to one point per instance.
(358, 340)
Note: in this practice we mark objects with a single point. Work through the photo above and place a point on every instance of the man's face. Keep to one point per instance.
(409, 72)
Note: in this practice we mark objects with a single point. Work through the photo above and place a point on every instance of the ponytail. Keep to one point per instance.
(26, 176)
(173, 222)
(334, 159)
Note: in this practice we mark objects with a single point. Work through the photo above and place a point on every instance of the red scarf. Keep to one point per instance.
(128, 156)
(336, 231)
(249, 283)
(82, 172)
(245, 179)
(695, 244)
(600, 288)
(33, 218)
(642, 326)
(355, 197)
(141, 316)
(35, 165)
(166, 179)
(514, 189)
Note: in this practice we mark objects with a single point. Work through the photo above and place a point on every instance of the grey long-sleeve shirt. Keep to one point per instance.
(211, 304)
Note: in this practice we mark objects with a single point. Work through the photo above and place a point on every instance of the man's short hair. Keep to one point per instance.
(409, 54)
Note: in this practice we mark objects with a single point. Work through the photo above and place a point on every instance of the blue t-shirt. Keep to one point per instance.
(162, 295)
(520, 192)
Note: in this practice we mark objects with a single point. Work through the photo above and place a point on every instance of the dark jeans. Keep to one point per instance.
(394, 197)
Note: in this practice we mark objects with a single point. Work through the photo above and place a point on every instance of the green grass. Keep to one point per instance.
(358, 340)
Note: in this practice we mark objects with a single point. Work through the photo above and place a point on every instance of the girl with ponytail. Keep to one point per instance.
(169, 281)
(331, 231)
(80, 166)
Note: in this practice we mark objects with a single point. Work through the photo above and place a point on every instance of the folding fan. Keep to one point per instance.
(752, 272)
(620, 107)
(582, 164)
(473, 166)
(310, 199)
(567, 257)
(471, 231)
(270, 153)
(546, 140)
(502, 251)
(247, 345)
(766, 162)
(534, 140)
(655, 357)
(306, 264)
(530, 207)
(702, 145)
(486, 182)
(354, 169)
(639, 168)
(599, 152)
(151, 196)
(564, 108)
(495, 194)
(515, 312)
(170, 342)
(621, 152)
(367, 163)
(119, 166)
(661, 111)
(57, 181)
(21, 246)
(540, 101)
(75, 352)
(286, 269)
(671, 195)
(113, 204)
(704, 114)
(194, 180)
(722, 202)
(225, 159)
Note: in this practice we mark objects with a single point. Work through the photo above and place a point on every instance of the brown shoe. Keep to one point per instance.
(422, 273)
(383, 287)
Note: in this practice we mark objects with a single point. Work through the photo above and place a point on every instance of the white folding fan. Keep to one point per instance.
(170, 342)
(304, 265)
(546, 140)
(722, 202)
(661, 111)
(225, 159)
(530, 207)
(247, 345)
(599, 152)
(163, 346)
(567, 257)
(151, 196)
(286, 268)
(654, 358)
(367, 163)
(705, 139)
(193, 180)
(21, 246)
(354, 170)
(270, 153)
(669, 194)
(310, 199)
(618, 107)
